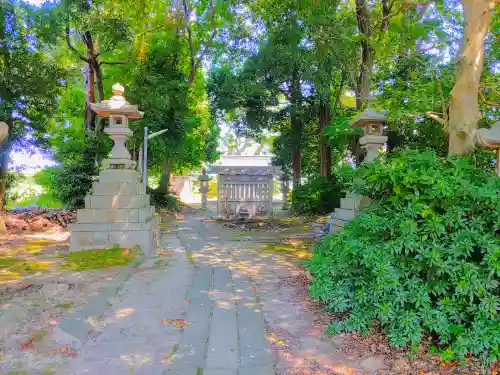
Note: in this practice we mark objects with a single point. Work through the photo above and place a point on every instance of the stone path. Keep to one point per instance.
(216, 308)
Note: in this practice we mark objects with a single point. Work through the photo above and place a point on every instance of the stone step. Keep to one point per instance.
(119, 175)
(117, 201)
(117, 188)
(344, 214)
(115, 215)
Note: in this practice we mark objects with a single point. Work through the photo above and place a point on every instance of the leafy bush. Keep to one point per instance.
(425, 258)
(166, 201)
(72, 180)
(68, 183)
(318, 196)
(12, 193)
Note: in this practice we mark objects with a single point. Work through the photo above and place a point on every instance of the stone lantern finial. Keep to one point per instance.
(117, 89)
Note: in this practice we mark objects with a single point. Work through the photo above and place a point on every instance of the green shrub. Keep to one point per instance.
(318, 196)
(166, 201)
(425, 258)
(68, 183)
(12, 193)
(71, 180)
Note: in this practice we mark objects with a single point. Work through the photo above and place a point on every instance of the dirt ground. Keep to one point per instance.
(35, 295)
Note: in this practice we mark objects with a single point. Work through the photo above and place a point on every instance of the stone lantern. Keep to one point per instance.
(372, 122)
(285, 189)
(118, 211)
(204, 179)
(372, 141)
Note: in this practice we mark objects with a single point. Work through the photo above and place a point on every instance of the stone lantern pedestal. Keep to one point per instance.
(372, 123)
(117, 212)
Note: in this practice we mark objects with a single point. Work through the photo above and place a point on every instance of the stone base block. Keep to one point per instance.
(349, 209)
(119, 175)
(344, 214)
(117, 188)
(117, 201)
(115, 215)
(98, 236)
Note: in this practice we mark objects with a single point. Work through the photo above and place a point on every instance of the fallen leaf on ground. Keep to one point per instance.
(28, 343)
(449, 364)
(67, 351)
(179, 323)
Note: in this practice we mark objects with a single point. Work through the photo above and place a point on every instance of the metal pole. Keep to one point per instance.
(141, 156)
(145, 160)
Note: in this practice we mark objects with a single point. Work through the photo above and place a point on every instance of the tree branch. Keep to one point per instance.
(114, 62)
(486, 101)
(386, 13)
(435, 117)
(71, 47)
(190, 42)
(415, 3)
(339, 95)
(207, 44)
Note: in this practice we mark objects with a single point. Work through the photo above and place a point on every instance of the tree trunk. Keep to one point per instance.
(6, 99)
(464, 111)
(100, 91)
(165, 176)
(296, 127)
(89, 97)
(98, 78)
(366, 67)
(4, 170)
(325, 152)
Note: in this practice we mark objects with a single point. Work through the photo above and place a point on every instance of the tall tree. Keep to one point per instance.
(30, 81)
(464, 111)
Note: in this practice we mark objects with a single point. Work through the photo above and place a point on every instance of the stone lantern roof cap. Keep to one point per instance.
(117, 105)
(370, 116)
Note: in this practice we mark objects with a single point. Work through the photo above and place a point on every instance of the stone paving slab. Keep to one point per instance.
(222, 350)
(254, 348)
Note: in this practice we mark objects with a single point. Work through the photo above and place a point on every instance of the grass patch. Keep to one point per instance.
(189, 257)
(236, 233)
(16, 268)
(169, 357)
(300, 249)
(65, 305)
(99, 258)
